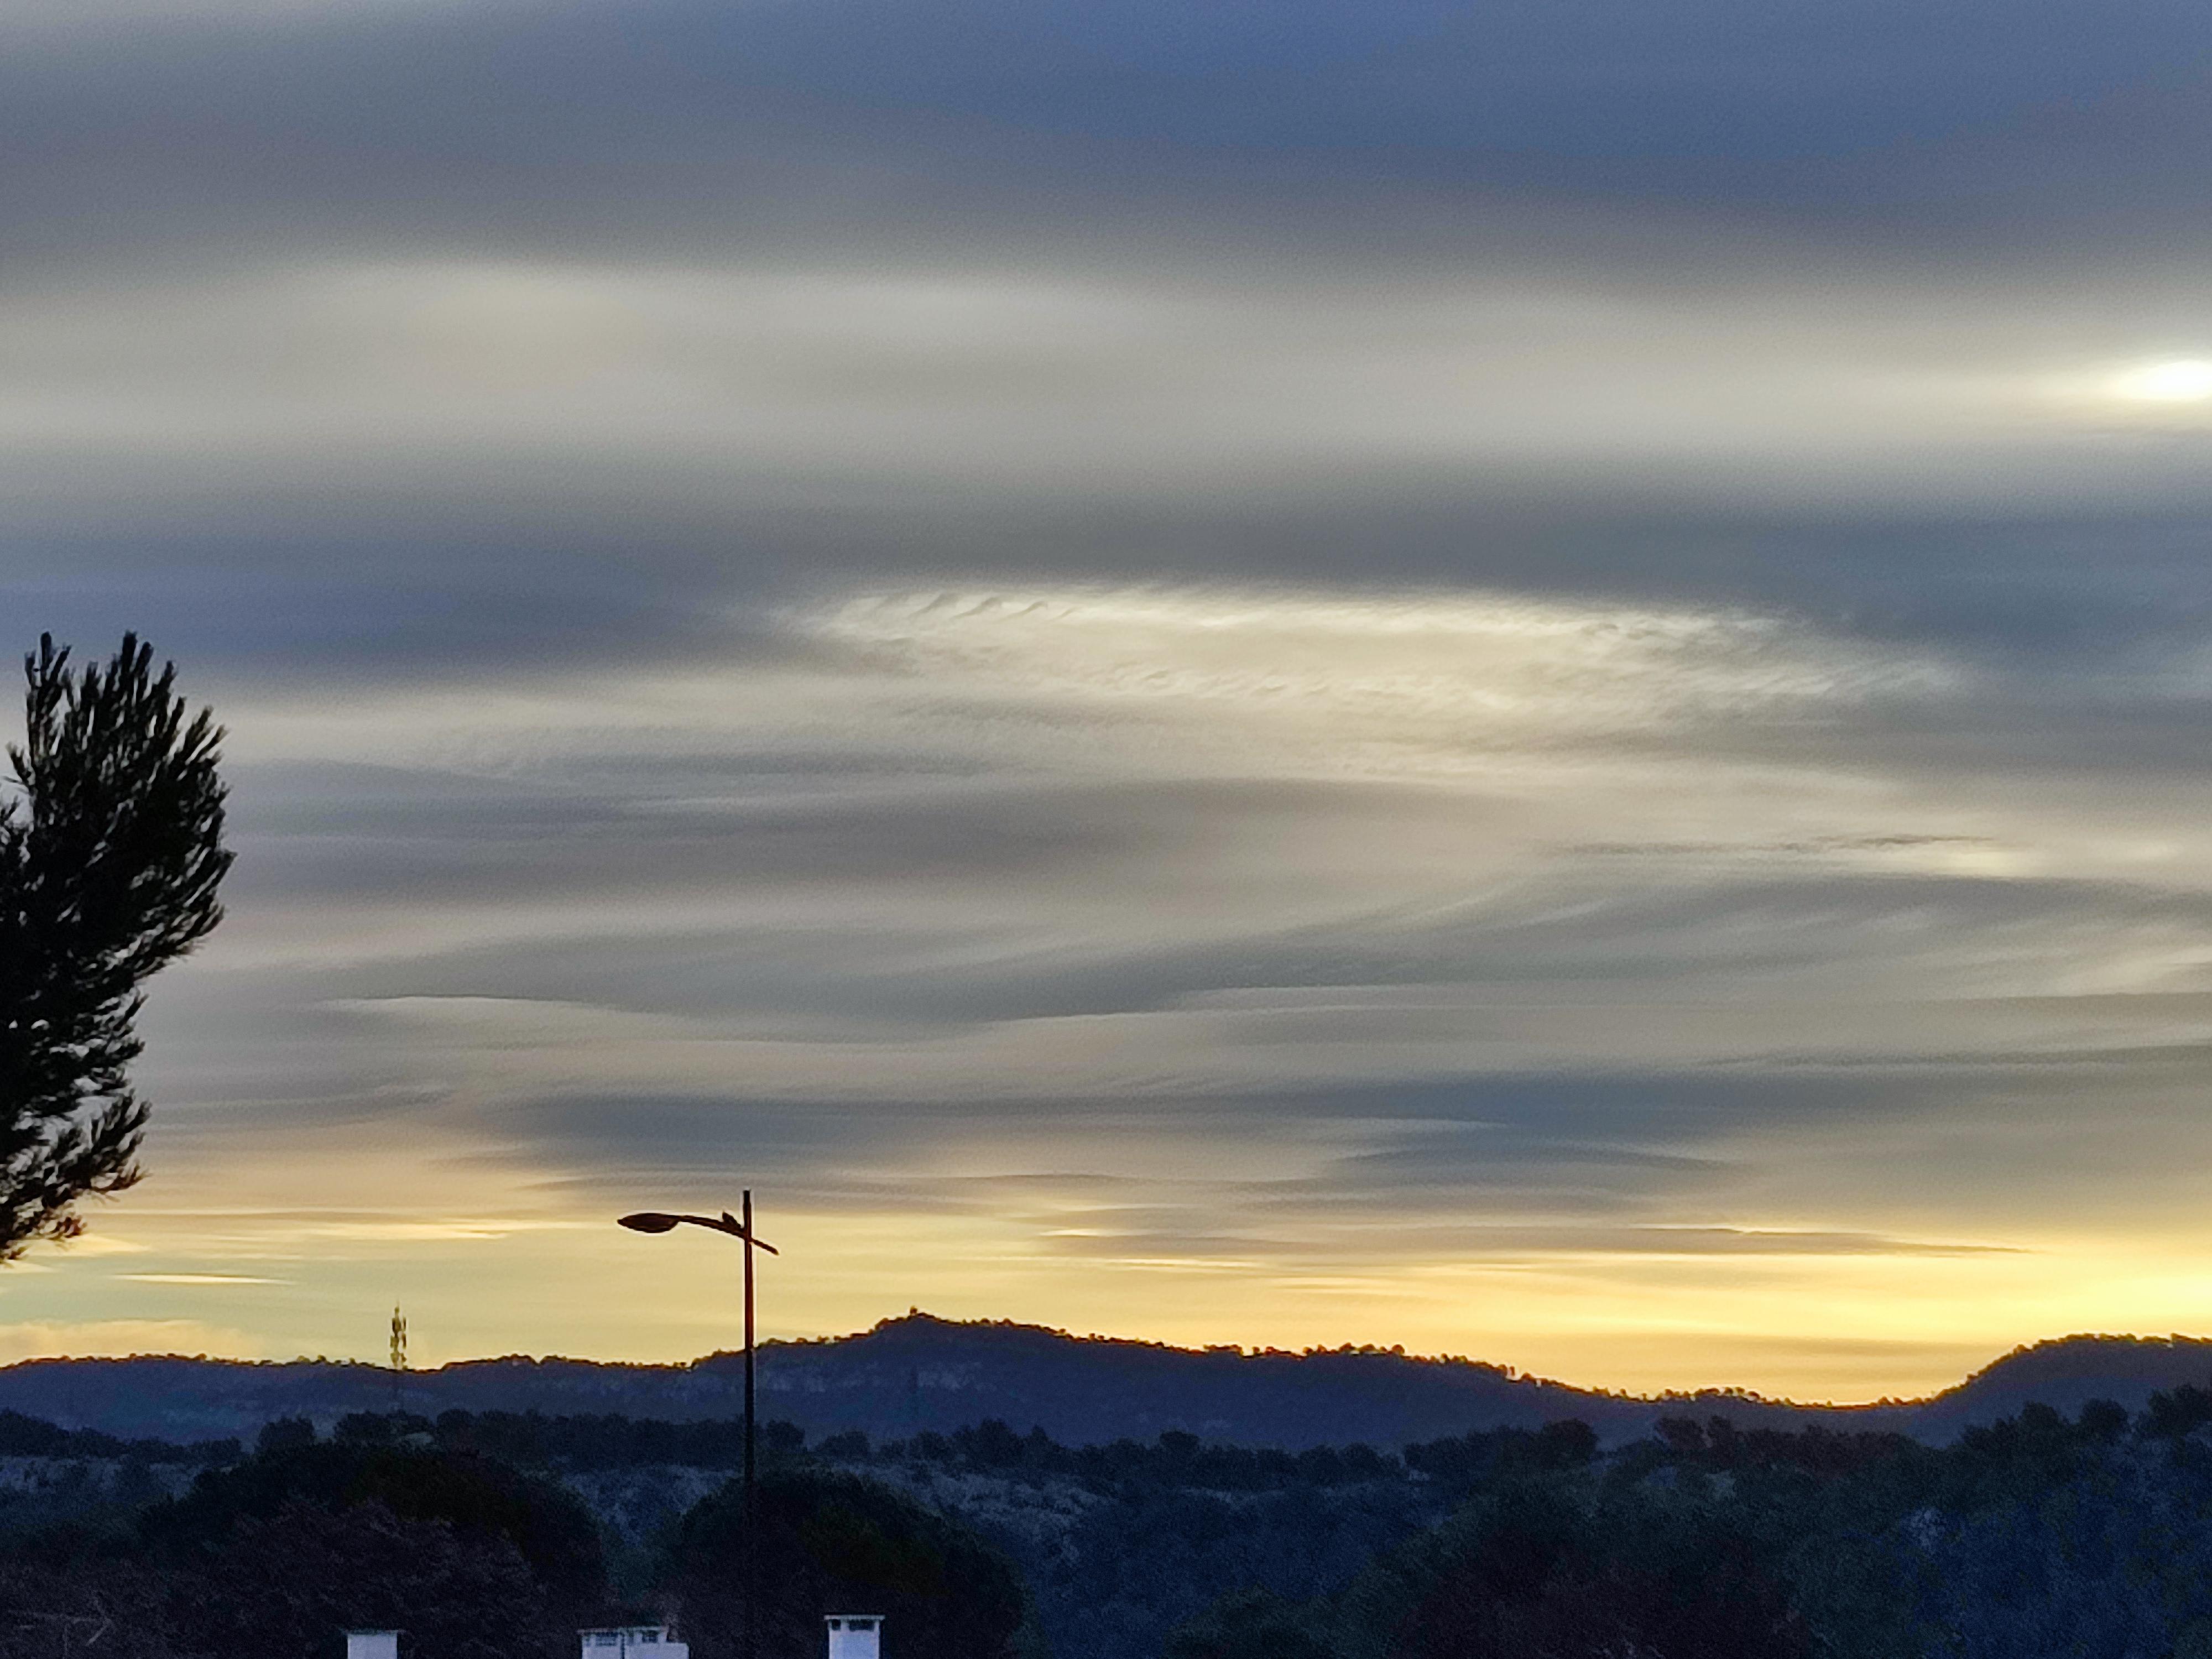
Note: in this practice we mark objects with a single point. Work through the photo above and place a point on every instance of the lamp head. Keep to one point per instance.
(649, 1221)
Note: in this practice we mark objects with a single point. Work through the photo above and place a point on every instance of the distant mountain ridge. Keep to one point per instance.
(919, 1372)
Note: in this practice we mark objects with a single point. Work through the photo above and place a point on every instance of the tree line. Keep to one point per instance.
(2039, 1537)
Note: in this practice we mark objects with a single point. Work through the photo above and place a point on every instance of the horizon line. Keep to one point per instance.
(916, 1315)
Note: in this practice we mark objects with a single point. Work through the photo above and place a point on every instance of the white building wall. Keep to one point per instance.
(372, 1644)
(631, 1641)
(854, 1635)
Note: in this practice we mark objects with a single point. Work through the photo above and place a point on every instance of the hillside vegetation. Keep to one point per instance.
(918, 1373)
(492, 1536)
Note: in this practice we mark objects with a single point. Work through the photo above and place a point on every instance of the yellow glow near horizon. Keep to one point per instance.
(1565, 982)
(2174, 380)
(545, 1271)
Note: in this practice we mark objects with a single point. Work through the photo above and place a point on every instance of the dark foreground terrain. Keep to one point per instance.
(493, 1535)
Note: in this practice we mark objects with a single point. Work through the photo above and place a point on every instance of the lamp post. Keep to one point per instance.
(739, 1227)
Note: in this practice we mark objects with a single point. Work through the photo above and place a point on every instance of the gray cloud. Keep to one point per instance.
(1225, 638)
(581, 121)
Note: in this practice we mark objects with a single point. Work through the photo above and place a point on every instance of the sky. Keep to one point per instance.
(1530, 679)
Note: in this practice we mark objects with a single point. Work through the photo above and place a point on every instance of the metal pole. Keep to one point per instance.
(657, 1221)
(753, 1550)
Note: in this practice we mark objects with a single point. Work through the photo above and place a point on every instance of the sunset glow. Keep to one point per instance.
(1219, 674)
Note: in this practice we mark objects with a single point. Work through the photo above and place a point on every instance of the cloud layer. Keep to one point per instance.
(1517, 681)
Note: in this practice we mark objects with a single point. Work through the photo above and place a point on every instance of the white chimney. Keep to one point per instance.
(854, 1635)
(372, 1644)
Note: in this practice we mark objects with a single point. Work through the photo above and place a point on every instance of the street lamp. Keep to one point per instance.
(653, 1221)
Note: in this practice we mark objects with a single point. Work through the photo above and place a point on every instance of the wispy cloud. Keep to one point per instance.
(1523, 692)
(771, 384)
(36, 1339)
(1289, 932)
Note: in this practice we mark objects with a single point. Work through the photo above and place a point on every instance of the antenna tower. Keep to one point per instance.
(398, 1357)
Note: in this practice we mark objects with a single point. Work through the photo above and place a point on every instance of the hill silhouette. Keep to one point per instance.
(2066, 1374)
(920, 1372)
